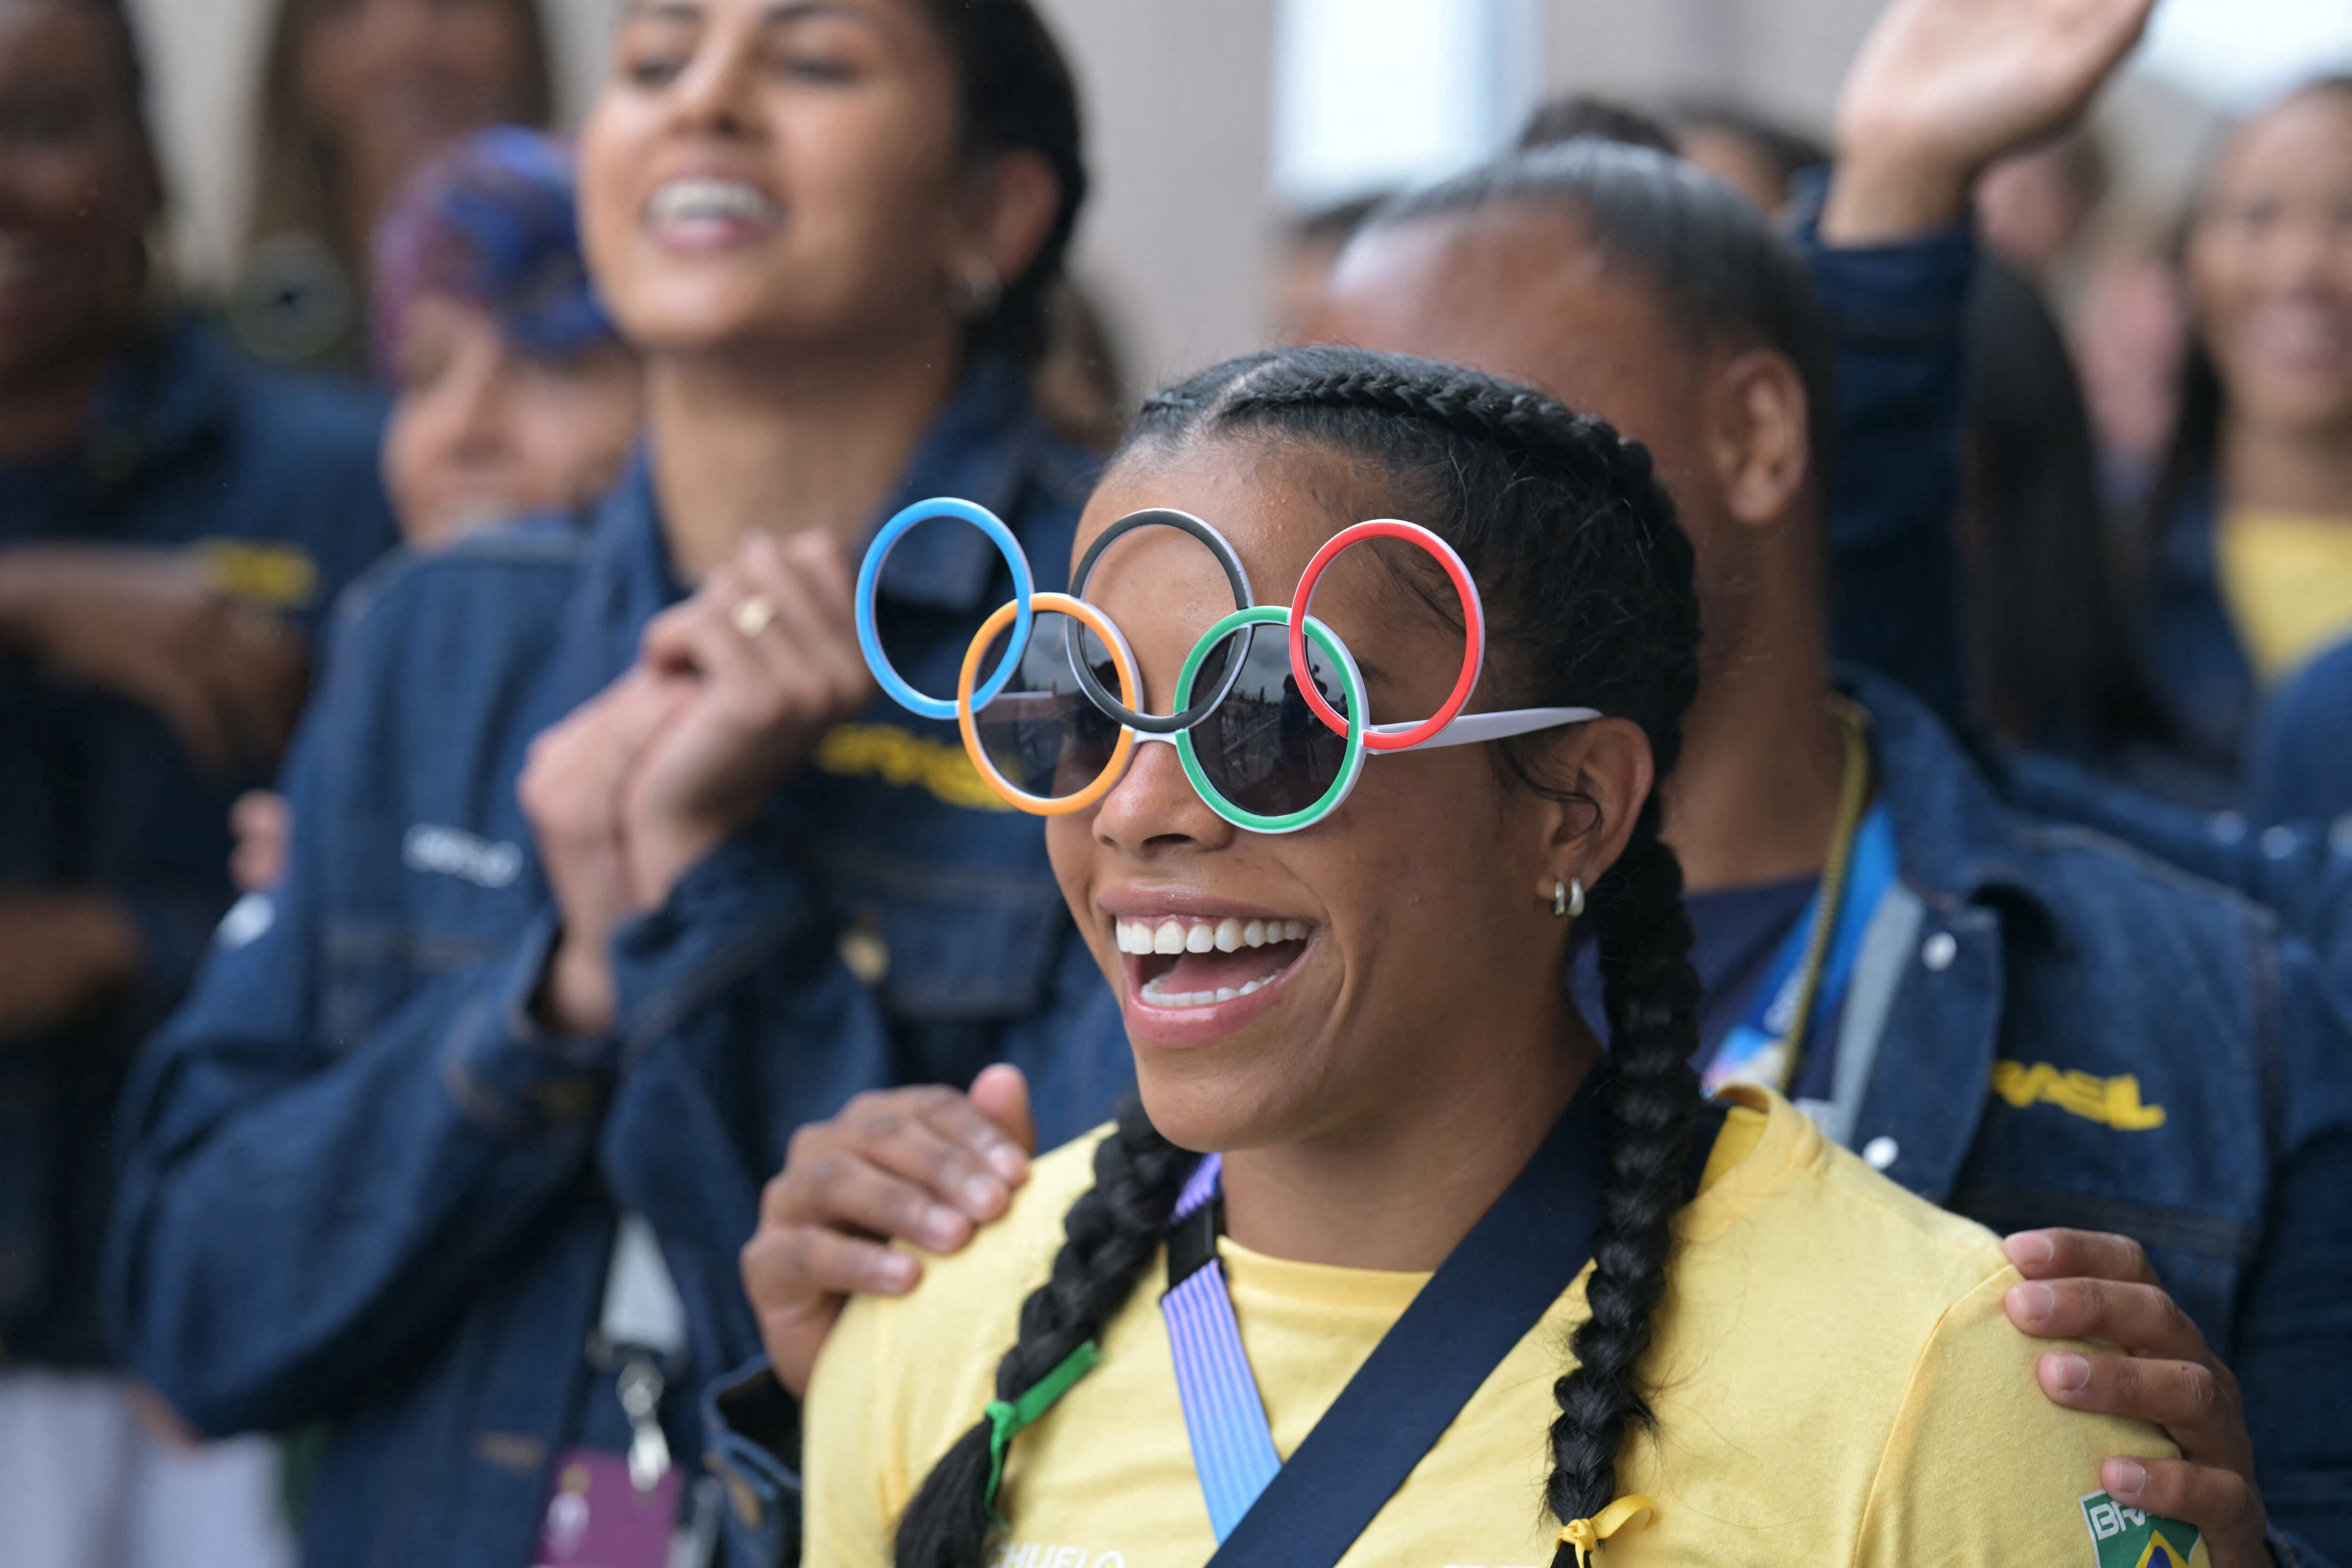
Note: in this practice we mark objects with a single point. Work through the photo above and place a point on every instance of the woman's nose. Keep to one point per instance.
(1155, 807)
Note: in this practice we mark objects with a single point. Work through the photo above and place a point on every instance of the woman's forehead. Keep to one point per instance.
(1276, 501)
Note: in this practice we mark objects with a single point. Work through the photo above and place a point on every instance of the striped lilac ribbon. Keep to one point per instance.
(1233, 1446)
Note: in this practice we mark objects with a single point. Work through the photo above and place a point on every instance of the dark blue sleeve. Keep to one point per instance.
(2294, 1317)
(295, 1214)
(1896, 314)
(2300, 764)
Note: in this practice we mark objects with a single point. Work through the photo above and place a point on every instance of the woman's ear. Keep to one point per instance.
(1017, 199)
(1760, 437)
(1609, 773)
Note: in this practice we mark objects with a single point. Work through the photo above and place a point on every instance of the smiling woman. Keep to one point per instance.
(2250, 527)
(356, 96)
(1381, 1170)
(826, 227)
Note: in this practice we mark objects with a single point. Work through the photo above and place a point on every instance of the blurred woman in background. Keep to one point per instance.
(357, 95)
(603, 844)
(171, 525)
(515, 396)
(2250, 569)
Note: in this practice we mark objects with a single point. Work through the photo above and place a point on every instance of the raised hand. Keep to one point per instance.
(1943, 88)
(765, 660)
(2086, 1285)
(923, 1165)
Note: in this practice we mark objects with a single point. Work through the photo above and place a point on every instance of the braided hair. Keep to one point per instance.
(1587, 581)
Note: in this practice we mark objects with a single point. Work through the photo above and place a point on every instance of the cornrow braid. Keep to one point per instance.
(1652, 992)
(1587, 581)
(1111, 1235)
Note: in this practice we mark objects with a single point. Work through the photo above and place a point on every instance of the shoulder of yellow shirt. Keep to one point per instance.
(1775, 1190)
(1799, 1270)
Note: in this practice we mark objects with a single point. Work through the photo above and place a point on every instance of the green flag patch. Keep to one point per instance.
(2128, 1538)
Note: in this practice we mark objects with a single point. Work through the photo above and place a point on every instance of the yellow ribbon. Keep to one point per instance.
(1585, 1535)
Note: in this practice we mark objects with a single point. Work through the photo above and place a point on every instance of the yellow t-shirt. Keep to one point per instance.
(2287, 579)
(1835, 1380)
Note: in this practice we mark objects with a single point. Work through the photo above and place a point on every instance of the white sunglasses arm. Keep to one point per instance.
(1471, 728)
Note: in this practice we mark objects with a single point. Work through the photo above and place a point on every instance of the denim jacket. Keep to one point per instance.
(2079, 1034)
(364, 1188)
(275, 478)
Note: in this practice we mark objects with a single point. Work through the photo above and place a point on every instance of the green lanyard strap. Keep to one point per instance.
(1005, 1420)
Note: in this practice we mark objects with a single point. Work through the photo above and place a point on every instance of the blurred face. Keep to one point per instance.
(393, 81)
(76, 190)
(1401, 930)
(2270, 268)
(483, 433)
(2030, 208)
(788, 174)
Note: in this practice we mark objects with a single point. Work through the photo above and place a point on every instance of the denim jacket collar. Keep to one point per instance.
(981, 449)
(1958, 842)
(1981, 888)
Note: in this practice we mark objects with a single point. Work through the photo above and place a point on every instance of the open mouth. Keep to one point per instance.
(1177, 961)
(699, 211)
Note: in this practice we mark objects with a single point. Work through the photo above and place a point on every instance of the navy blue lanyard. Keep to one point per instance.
(1491, 1292)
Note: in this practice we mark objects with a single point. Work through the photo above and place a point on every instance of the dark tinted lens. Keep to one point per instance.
(1265, 749)
(1044, 734)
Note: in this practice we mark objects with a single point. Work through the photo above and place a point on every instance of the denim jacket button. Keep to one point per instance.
(1881, 1151)
(1938, 952)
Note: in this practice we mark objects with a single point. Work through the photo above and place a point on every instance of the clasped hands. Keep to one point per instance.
(730, 693)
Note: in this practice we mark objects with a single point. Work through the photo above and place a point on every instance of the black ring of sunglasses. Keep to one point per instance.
(1236, 574)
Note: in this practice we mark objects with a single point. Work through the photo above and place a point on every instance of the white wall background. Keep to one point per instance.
(1181, 97)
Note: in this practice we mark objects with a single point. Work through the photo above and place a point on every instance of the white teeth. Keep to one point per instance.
(1178, 935)
(1253, 985)
(703, 200)
(1226, 993)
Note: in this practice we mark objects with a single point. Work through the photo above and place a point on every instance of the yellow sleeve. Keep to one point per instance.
(852, 1472)
(1981, 1467)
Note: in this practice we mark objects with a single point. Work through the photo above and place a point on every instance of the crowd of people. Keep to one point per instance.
(1767, 976)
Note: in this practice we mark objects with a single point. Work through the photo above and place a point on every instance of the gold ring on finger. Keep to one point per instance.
(755, 615)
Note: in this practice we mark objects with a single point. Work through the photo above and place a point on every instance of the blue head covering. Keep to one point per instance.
(493, 222)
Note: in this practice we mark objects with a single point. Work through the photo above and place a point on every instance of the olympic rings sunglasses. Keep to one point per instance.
(1275, 745)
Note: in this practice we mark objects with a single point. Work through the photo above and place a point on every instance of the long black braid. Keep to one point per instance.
(1587, 581)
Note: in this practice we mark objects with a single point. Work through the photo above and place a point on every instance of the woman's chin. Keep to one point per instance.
(1211, 1114)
